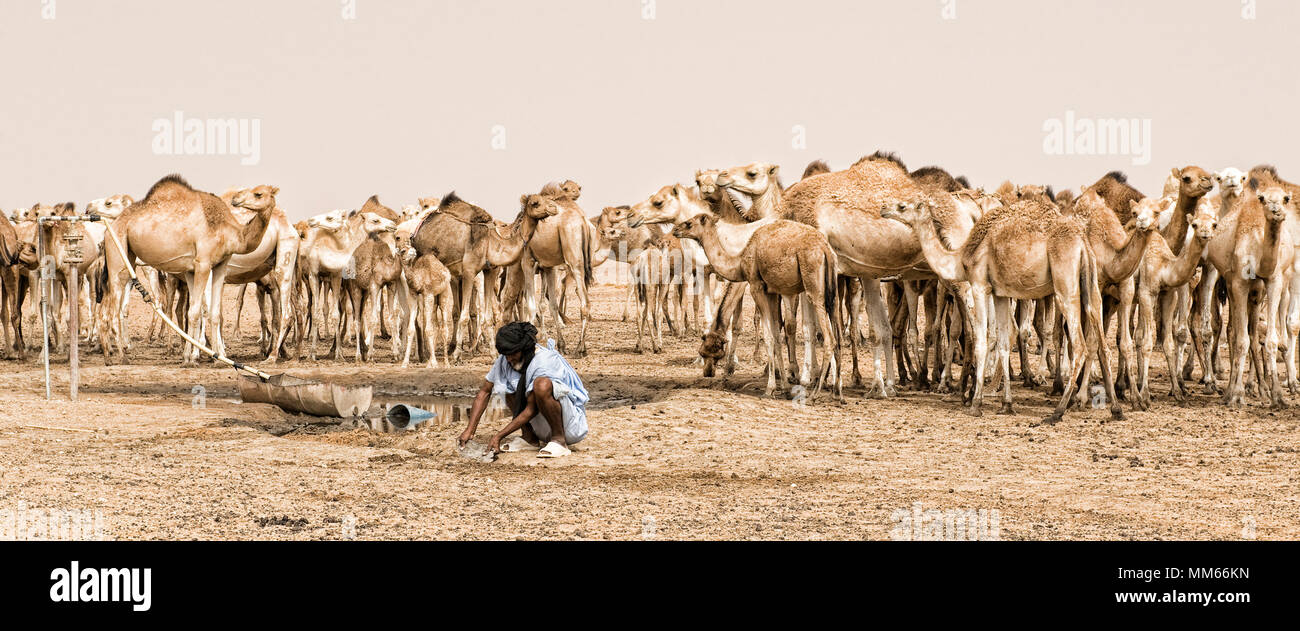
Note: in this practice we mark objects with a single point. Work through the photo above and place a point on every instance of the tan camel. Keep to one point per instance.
(273, 266)
(375, 267)
(783, 258)
(430, 286)
(1206, 313)
(16, 258)
(180, 230)
(563, 239)
(466, 246)
(1160, 277)
(327, 260)
(1118, 255)
(1027, 251)
(1253, 252)
(845, 206)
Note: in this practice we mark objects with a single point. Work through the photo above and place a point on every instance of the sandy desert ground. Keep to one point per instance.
(671, 455)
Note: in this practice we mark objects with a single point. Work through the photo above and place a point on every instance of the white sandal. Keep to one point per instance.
(553, 450)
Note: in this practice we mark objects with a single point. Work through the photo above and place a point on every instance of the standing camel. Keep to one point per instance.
(563, 239)
(1027, 251)
(273, 265)
(1253, 254)
(782, 258)
(464, 239)
(180, 230)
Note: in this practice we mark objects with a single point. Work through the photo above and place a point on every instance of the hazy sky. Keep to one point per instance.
(405, 100)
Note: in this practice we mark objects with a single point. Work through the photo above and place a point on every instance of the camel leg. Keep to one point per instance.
(852, 303)
(1238, 297)
(1069, 308)
(883, 360)
(802, 303)
(978, 306)
(1292, 319)
(1272, 302)
(240, 291)
(197, 283)
(1123, 380)
(217, 284)
(1168, 317)
(1143, 345)
(767, 305)
(1024, 330)
(1003, 308)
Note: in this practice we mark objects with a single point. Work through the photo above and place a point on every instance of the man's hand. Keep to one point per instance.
(495, 445)
(465, 436)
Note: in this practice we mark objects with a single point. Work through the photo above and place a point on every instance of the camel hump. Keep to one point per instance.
(372, 205)
(816, 167)
(169, 183)
(937, 179)
(882, 156)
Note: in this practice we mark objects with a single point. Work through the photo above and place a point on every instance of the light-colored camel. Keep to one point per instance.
(782, 259)
(1253, 254)
(375, 267)
(1027, 251)
(16, 257)
(327, 261)
(430, 286)
(1118, 255)
(1160, 280)
(180, 230)
(273, 266)
(845, 206)
(563, 239)
(464, 239)
(649, 278)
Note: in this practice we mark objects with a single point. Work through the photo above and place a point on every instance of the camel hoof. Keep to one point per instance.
(1116, 414)
(1006, 410)
(1053, 418)
(974, 411)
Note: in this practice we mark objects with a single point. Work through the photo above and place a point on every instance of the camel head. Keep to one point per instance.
(39, 210)
(429, 205)
(257, 199)
(1204, 221)
(374, 224)
(612, 222)
(671, 203)
(1274, 200)
(707, 181)
(1035, 192)
(538, 206)
(1231, 181)
(331, 221)
(410, 211)
(1193, 181)
(744, 184)
(110, 207)
(695, 227)
(571, 189)
(405, 247)
(1144, 212)
(909, 213)
(712, 349)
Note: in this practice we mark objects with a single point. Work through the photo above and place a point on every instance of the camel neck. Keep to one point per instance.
(946, 263)
(1176, 231)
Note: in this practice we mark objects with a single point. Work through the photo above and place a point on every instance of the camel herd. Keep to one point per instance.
(939, 267)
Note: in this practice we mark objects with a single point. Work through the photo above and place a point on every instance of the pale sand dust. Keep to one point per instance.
(702, 458)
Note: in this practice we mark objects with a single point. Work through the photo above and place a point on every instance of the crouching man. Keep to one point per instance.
(550, 407)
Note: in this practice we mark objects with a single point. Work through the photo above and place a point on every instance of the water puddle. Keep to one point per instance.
(393, 413)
